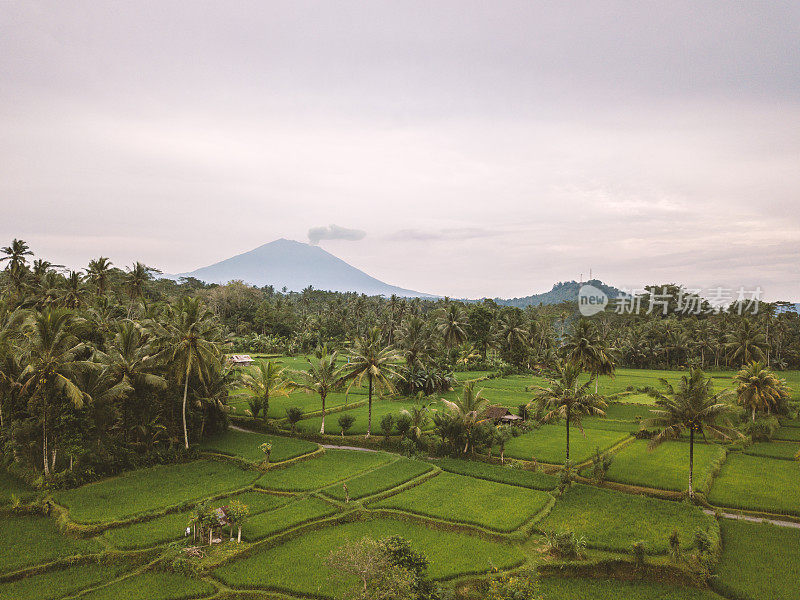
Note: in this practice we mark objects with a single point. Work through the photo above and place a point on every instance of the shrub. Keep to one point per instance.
(639, 552)
(403, 424)
(762, 429)
(675, 545)
(346, 422)
(566, 477)
(565, 544)
(387, 424)
(293, 415)
(513, 587)
(601, 463)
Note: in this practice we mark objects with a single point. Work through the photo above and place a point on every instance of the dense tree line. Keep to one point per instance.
(108, 368)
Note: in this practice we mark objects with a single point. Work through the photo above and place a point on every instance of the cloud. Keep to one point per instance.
(334, 232)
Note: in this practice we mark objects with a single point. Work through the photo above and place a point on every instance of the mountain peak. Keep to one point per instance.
(296, 265)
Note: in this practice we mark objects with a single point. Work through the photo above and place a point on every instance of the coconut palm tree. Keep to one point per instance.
(261, 382)
(74, 291)
(131, 363)
(566, 398)
(189, 346)
(451, 325)
(692, 406)
(413, 342)
(52, 358)
(10, 339)
(469, 410)
(585, 348)
(759, 389)
(98, 272)
(16, 254)
(746, 343)
(371, 360)
(322, 376)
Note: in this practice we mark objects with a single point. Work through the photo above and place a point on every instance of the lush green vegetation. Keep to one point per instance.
(149, 533)
(57, 584)
(379, 409)
(558, 588)
(322, 471)
(149, 490)
(773, 450)
(483, 503)
(31, 540)
(535, 480)
(13, 486)
(247, 445)
(665, 467)
(613, 520)
(758, 483)
(379, 480)
(153, 586)
(450, 554)
(547, 444)
(285, 517)
(759, 562)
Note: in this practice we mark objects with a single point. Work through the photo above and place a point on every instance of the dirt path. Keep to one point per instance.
(752, 519)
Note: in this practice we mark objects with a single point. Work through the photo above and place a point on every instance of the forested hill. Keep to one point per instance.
(563, 291)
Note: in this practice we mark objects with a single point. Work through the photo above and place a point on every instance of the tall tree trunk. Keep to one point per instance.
(568, 432)
(369, 416)
(322, 428)
(45, 457)
(691, 462)
(266, 405)
(183, 411)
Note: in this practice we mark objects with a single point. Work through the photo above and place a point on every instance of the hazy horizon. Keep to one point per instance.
(458, 148)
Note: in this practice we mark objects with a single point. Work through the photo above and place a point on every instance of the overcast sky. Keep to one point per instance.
(476, 148)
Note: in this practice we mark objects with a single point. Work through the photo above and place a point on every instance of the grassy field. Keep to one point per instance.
(759, 562)
(149, 490)
(773, 450)
(31, 540)
(548, 444)
(666, 467)
(379, 480)
(285, 517)
(322, 471)
(757, 483)
(246, 445)
(303, 400)
(57, 584)
(562, 588)
(450, 554)
(535, 480)
(790, 434)
(152, 586)
(466, 500)
(612, 520)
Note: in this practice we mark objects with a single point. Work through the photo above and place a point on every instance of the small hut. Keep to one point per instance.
(501, 415)
(240, 360)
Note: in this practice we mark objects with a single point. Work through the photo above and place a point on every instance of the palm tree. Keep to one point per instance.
(321, 377)
(511, 334)
(585, 348)
(450, 324)
(566, 398)
(131, 363)
(469, 410)
(263, 381)
(10, 338)
(372, 361)
(746, 343)
(692, 406)
(98, 271)
(758, 388)
(190, 346)
(16, 255)
(136, 279)
(52, 361)
(419, 418)
(413, 341)
(74, 292)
